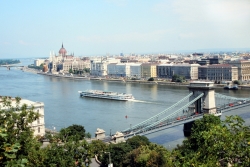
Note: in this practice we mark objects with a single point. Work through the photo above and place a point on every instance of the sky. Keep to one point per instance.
(101, 27)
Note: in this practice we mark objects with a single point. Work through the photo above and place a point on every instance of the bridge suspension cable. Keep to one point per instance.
(155, 117)
(172, 115)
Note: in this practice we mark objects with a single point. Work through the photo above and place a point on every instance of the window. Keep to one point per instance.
(38, 130)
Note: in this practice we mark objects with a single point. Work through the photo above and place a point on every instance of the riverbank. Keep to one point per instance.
(216, 86)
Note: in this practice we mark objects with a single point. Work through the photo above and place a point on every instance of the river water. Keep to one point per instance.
(64, 107)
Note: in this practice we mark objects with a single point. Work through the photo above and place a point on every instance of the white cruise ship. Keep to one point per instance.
(106, 95)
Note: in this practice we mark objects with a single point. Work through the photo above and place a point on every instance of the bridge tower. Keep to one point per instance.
(206, 103)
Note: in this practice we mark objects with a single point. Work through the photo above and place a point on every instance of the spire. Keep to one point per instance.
(62, 45)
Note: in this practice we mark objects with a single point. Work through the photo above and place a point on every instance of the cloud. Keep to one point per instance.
(212, 10)
(5, 43)
(205, 10)
(21, 42)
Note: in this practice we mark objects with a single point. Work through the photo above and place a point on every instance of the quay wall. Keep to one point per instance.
(219, 86)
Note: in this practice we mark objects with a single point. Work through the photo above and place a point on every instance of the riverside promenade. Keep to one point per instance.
(123, 80)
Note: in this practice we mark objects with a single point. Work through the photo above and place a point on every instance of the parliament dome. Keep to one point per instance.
(62, 51)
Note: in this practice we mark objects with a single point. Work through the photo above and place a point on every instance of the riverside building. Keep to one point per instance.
(99, 66)
(218, 72)
(148, 70)
(243, 69)
(64, 62)
(189, 71)
(38, 125)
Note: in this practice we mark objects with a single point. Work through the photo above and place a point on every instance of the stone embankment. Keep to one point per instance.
(219, 86)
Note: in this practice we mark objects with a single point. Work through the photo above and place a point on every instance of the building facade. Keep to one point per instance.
(189, 71)
(63, 62)
(38, 125)
(218, 72)
(148, 70)
(99, 66)
(135, 71)
(243, 69)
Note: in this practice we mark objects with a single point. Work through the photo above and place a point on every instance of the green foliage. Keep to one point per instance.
(68, 154)
(137, 141)
(237, 82)
(70, 70)
(17, 141)
(8, 61)
(37, 67)
(73, 132)
(117, 154)
(215, 143)
(98, 147)
(87, 70)
(178, 78)
(151, 155)
(151, 79)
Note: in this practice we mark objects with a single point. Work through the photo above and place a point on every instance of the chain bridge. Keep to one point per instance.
(201, 100)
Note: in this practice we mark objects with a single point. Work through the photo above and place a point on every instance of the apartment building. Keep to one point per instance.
(243, 69)
(189, 71)
(99, 66)
(218, 72)
(135, 71)
(148, 70)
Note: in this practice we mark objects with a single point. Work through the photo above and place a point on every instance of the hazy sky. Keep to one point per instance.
(96, 27)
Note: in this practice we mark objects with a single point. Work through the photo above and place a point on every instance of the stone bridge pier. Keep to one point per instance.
(206, 104)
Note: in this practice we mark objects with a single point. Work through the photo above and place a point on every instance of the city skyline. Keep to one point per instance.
(87, 28)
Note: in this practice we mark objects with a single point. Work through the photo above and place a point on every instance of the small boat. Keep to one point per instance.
(106, 95)
(231, 87)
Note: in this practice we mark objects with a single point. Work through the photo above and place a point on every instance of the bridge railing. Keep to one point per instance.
(168, 119)
(156, 117)
(173, 115)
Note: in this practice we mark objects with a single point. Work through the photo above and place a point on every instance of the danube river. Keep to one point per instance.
(64, 107)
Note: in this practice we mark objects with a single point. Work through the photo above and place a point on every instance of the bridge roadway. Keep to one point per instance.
(176, 120)
(185, 119)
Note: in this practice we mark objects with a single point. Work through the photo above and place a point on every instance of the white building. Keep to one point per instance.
(38, 62)
(99, 66)
(38, 125)
(124, 70)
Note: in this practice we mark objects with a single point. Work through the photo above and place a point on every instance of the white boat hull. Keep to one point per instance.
(106, 95)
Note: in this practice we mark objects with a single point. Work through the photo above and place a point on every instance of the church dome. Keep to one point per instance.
(62, 51)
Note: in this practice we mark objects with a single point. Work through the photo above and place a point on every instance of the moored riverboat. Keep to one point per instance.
(106, 95)
(231, 87)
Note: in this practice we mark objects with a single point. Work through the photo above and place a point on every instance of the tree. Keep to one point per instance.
(70, 70)
(237, 82)
(73, 132)
(137, 141)
(217, 144)
(87, 70)
(98, 147)
(73, 153)
(17, 139)
(151, 155)
(117, 154)
(178, 78)
(151, 79)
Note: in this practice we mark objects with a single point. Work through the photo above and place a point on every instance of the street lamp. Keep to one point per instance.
(110, 164)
